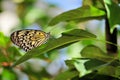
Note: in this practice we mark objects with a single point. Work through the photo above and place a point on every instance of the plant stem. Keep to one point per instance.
(110, 37)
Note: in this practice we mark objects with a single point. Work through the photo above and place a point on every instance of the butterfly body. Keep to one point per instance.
(29, 39)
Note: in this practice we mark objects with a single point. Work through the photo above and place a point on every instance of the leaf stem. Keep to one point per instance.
(110, 37)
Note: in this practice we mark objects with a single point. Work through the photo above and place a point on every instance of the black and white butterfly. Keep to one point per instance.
(29, 39)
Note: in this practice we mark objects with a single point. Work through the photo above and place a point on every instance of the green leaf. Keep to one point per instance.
(96, 76)
(93, 64)
(3, 40)
(117, 72)
(113, 13)
(111, 69)
(79, 33)
(80, 14)
(2, 57)
(8, 75)
(95, 52)
(66, 39)
(96, 3)
(73, 62)
(107, 70)
(66, 75)
(12, 53)
(115, 63)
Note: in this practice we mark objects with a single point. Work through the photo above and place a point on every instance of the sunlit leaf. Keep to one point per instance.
(113, 13)
(95, 52)
(80, 14)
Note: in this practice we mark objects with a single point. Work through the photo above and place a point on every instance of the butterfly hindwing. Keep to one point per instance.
(29, 39)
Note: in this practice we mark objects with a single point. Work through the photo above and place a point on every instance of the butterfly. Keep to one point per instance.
(29, 39)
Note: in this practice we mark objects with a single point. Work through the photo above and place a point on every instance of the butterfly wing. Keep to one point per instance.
(29, 39)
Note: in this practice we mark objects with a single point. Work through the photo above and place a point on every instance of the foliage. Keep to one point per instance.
(97, 63)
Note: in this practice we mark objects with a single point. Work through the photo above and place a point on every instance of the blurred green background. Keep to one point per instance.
(35, 14)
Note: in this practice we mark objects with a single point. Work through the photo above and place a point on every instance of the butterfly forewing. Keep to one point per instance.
(29, 39)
